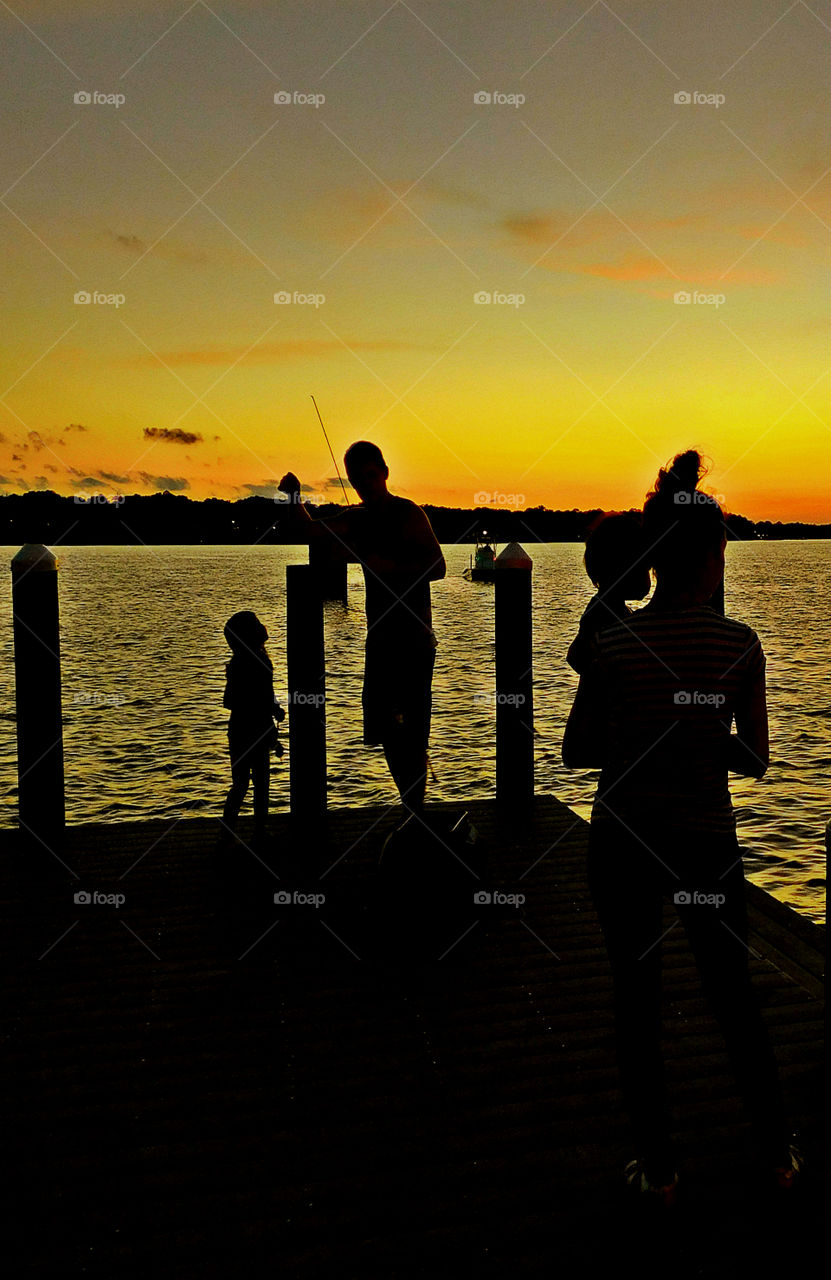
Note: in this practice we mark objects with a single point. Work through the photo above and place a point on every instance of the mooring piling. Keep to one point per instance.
(513, 636)
(306, 670)
(37, 663)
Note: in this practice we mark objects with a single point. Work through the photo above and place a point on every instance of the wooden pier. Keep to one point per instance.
(202, 1081)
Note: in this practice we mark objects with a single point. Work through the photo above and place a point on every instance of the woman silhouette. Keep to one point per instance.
(654, 711)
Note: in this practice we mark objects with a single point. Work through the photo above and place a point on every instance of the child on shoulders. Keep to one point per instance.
(616, 562)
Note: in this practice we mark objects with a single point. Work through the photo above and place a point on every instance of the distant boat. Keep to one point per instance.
(485, 564)
(481, 567)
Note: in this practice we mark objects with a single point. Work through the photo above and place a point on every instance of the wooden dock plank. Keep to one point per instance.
(189, 1098)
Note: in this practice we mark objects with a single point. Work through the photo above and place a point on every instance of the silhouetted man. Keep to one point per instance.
(392, 539)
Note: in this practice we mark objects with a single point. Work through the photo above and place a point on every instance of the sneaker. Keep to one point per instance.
(666, 1194)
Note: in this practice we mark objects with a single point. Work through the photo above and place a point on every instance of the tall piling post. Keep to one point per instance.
(306, 671)
(827, 850)
(37, 666)
(513, 635)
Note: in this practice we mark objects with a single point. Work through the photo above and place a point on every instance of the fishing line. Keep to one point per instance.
(337, 468)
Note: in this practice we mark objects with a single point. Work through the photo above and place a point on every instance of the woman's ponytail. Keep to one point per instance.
(682, 523)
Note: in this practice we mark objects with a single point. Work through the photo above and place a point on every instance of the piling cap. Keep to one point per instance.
(513, 557)
(34, 557)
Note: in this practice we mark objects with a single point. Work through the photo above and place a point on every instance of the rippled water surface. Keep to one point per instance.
(143, 676)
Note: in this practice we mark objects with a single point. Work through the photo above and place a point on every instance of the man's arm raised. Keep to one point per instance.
(334, 530)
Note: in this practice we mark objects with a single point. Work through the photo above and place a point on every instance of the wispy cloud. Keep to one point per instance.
(263, 489)
(172, 435)
(721, 215)
(785, 233)
(173, 483)
(598, 226)
(132, 243)
(170, 249)
(637, 267)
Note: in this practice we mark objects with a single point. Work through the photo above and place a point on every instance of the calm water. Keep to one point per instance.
(143, 677)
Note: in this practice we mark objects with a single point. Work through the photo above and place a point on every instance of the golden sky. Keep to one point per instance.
(657, 269)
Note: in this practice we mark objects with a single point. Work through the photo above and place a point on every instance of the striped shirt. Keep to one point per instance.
(672, 682)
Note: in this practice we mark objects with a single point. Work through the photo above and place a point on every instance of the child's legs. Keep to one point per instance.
(627, 894)
(240, 769)
(717, 931)
(260, 776)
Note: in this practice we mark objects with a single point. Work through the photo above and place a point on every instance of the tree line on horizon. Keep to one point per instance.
(42, 515)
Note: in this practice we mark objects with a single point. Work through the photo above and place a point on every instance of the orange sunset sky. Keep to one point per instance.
(580, 165)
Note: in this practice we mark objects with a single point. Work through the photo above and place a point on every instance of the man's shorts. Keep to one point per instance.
(397, 694)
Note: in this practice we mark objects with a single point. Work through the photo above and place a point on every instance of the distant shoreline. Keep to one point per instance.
(171, 519)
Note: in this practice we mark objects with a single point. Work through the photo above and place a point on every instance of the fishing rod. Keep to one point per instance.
(337, 468)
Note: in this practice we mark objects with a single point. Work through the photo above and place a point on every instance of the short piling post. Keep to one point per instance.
(329, 571)
(514, 678)
(37, 667)
(307, 693)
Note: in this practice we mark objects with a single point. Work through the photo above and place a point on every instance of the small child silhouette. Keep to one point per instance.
(249, 696)
(616, 563)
